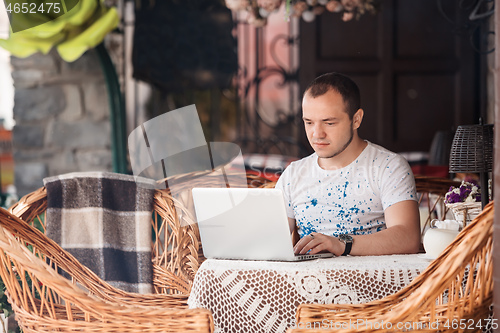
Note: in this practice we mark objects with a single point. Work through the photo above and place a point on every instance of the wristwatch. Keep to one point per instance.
(347, 240)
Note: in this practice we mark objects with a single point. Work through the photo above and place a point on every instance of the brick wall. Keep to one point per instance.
(62, 118)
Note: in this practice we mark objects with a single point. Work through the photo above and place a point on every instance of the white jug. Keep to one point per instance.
(436, 240)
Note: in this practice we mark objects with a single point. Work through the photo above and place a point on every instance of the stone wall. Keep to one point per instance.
(62, 118)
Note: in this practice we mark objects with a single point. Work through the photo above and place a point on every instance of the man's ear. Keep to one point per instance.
(357, 119)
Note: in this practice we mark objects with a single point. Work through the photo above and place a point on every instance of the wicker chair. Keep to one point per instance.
(176, 248)
(44, 300)
(167, 276)
(446, 294)
(431, 192)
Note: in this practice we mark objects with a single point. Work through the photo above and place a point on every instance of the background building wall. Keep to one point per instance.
(62, 119)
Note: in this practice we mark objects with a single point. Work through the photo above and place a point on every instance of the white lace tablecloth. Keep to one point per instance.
(263, 296)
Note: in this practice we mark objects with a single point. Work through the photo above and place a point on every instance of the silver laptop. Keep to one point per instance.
(245, 223)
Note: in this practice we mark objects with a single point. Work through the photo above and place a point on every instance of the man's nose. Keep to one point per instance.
(318, 131)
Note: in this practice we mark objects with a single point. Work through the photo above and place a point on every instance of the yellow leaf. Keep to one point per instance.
(72, 49)
(23, 47)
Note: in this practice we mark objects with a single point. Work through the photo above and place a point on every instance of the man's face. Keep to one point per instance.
(327, 124)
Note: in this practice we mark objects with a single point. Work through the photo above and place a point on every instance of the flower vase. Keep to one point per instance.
(465, 212)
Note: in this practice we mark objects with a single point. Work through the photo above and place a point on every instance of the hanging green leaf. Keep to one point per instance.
(82, 27)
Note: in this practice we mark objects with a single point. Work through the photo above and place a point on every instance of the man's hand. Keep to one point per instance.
(319, 243)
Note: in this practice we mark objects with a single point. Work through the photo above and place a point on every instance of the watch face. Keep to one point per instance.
(346, 238)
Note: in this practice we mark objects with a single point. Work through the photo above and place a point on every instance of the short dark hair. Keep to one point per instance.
(339, 83)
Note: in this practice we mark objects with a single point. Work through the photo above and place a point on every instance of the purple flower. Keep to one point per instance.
(452, 197)
(467, 192)
(464, 192)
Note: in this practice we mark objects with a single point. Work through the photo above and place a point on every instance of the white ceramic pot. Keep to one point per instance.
(436, 240)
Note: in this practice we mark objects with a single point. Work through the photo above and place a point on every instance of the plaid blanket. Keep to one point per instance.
(103, 219)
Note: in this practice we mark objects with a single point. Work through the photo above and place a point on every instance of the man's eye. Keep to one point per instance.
(330, 124)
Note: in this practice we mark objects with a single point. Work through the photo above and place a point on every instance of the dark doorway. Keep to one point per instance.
(417, 76)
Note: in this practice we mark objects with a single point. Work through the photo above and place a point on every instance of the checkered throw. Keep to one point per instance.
(103, 219)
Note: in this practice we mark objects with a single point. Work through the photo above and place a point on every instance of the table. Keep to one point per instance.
(263, 296)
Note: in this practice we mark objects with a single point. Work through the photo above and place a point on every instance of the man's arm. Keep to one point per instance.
(402, 235)
(293, 231)
(291, 223)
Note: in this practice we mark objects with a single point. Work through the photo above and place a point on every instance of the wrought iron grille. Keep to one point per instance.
(268, 105)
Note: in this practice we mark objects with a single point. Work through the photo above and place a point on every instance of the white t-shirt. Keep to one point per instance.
(350, 200)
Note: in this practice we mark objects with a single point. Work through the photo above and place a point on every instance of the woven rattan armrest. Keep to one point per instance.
(130, 319)
(31, 206)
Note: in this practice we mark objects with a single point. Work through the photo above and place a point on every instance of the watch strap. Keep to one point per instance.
(348, 247)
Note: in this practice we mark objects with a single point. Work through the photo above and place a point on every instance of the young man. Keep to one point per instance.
(350, 196)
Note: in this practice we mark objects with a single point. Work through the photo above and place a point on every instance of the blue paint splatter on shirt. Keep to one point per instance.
(306, 228)
(345, 188)
(354, 210)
